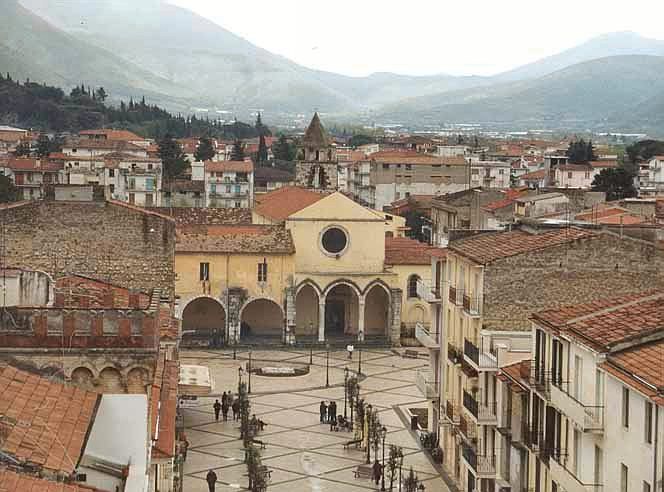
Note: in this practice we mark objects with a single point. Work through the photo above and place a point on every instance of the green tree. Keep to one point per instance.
(100, 94)
(44, 145)
(283, 150)
(581, 152)
(616, 183)
(394, 461)
(205, 150)
(237, 154)
(172, 157)
(360, 139)
(416, 222)
(8, 191)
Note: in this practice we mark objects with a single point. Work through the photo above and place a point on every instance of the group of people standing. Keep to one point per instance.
(227, 402)
(328, 413)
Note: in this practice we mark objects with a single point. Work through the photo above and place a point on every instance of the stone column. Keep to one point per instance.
(321, 320)
(394, 335)
(360, 320)
(289, 337)
(235, 298)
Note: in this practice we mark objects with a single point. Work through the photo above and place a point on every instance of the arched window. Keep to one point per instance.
(412, 286)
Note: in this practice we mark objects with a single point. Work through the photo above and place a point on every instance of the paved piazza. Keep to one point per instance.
(302, 453)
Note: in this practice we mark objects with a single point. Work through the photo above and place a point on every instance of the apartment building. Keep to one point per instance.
(490, 174)
(229, 184)
(31, 175)
(650, 180)
(390, 176)
(482, 299)
(595, 391)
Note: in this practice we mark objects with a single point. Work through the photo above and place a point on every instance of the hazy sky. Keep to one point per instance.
(357, 37)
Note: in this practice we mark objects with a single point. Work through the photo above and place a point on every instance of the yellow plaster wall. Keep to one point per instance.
(235, 270)
(412, 310)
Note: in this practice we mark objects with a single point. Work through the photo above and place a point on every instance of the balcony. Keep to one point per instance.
(455, 296)
(487, 414)
(480, 358)
(472, 304)
(468, 429)
(540, 380)
(229, 194)
(469, 455)
(486, 465)
(426, 385)
(426, 337)
(568, 481)
(452, 412)
(453, 354)
(427, 292)
(587, 417)
(470, 404)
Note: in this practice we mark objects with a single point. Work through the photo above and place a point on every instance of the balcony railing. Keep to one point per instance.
(590, 418)
(540, 379)
(426, 337)
(472, 304)
(470, 403)
(452, 412)
(453, 354)
(468, 429)
(469, 455)
(487, 413)
(483, 359)
(427, 386)
(486, 464)
(452, 295)
(471, 351)
(568, 480)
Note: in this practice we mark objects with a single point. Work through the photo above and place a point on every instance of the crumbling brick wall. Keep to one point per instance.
(103, 240)
(582, 271)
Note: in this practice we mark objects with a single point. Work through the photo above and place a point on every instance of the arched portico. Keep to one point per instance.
(377, 310)
(261, 317)
(203, 322)
(307, 301)
(342, 310)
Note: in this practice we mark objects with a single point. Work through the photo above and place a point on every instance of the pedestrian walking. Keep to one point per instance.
(217, 409)
(332, 411)
(350, 349)
(224, 409)
(224, 396)
(211, 479)
(236, 409)
(377, 471)
(323, 412)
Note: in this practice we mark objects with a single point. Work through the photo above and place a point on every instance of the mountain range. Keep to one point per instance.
(183, 61)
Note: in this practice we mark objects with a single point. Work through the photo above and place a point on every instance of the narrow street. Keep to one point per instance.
(303, 454)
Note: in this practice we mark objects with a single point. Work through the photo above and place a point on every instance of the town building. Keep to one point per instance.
(490, 284)
(31, 176)
(229, 184)
(650, 179)
(309, 266)
(268, 179)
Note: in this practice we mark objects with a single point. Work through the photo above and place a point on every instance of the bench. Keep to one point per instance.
(363, 471)
(355, 442)
(411, 354)
(261, 444)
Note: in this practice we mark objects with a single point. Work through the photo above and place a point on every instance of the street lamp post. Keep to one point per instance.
(311, 354)
(359, 362)
(239, 380)
(383, 434)
(368, 417)
(400, 467)
(249, 371)
(345, 389)
(327, 368)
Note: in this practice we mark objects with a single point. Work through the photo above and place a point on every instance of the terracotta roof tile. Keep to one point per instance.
(642, 366)
(111, 134)
(163, 406)
(35, 165)
(518, 373)
(185, 216)
(229, 166)
(417, 159)
(247, 239)
(604, 323)
(539, 174)
(11, 481)
(45, 422)
(487, 247)
(284, 202)
(405, 251)
(81, 291)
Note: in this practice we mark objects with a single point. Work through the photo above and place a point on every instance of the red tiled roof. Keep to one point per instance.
(284, 202)
(36, 165)
(113, 134)
(641, 367)
(518, 373)
(163, 405)
(539, 174)
(229, 166)
(90, 143)
(602, 324)
(46, 423)
(603, 164)
(406, 251)
(487, 247)
(573, 167)
(417, 159)
(14, 482)
(185, 216)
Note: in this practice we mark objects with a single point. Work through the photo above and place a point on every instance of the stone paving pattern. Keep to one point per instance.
(301, 452)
